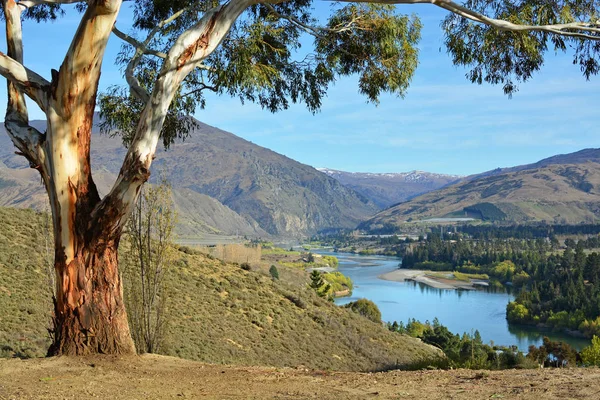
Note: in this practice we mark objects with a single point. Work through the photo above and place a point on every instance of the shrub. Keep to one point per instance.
(246, 267)
(273, 272)
(591, 354)
(338, 281)
(366, 308)
(516, 312)
(295, 300)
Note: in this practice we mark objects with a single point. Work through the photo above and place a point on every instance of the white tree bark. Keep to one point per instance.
(188, 52)
(580, 30)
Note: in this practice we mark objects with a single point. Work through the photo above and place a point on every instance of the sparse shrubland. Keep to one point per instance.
(219, 314)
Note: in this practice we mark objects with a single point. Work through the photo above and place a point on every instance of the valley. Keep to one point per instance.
(195, 203)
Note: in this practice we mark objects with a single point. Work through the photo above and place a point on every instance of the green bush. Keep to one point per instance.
(338, 281)
(332, 261)
(590, 356)
(366, 308)
(516, 312)
(273, 272)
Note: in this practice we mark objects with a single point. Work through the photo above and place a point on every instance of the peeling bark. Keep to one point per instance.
(90, 314)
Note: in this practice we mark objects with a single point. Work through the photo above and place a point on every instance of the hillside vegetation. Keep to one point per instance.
(219, 313)
(562, 189)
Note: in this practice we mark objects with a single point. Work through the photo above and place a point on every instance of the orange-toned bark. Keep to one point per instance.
(89, 315)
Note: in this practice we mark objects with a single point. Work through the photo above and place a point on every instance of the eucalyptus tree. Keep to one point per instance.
(176, 50)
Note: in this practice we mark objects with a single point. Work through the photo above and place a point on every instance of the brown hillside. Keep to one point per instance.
(560, 193)
(261, 192)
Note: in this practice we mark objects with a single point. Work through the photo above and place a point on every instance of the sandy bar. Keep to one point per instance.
(401, 275)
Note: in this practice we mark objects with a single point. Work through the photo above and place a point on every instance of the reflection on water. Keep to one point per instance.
(460, 310)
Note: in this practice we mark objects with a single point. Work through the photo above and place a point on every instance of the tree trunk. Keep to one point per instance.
(89, 313)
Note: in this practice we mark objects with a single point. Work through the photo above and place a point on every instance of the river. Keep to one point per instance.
(461, 311)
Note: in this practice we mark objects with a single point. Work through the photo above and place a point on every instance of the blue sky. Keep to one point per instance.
(444, 124)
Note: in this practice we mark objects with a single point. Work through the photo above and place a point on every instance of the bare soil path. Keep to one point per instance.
(158, 377)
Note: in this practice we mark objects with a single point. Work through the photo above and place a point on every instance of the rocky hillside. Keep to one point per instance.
(218, 313)
(247, 189)
(560, 189)
(388, 189)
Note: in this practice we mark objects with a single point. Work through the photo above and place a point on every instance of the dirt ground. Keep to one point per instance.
(158, 377)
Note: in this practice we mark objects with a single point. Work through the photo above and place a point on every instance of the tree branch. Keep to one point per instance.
(140, 50)
(32, 84)
(83, 61)
(186, 54)
(311, 30)
(28, 140)
(137, 44)
(574, 29)
(33, 3)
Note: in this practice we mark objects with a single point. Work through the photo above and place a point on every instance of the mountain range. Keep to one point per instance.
(560, 189)
(222, 184)
(225, 185)
(387, 189)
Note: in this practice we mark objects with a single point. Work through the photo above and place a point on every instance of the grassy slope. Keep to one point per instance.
(219, 312)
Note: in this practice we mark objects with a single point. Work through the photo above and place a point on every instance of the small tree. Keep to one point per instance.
(151, 252)
(318, 284)
(274, 273)
(591, 354)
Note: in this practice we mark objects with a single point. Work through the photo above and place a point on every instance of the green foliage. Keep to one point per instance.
(467, 351)
(504, 270)
(332, 261)
(517, 313)
(381, 47)
(590, 327)
(366, 308)
(279, 251)
(507, 58)
(553, 354)
(120, 111)
(520, 279)
(273, 272)
(338, 281)
(590, 356)
(257, 60)
(322, 288)
(459, 276)
(432, 266)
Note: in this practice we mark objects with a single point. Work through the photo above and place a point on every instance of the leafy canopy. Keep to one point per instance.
(266, 57)
(504, 57)
(262, 59)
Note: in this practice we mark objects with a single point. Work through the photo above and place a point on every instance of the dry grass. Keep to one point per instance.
(219, 314)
